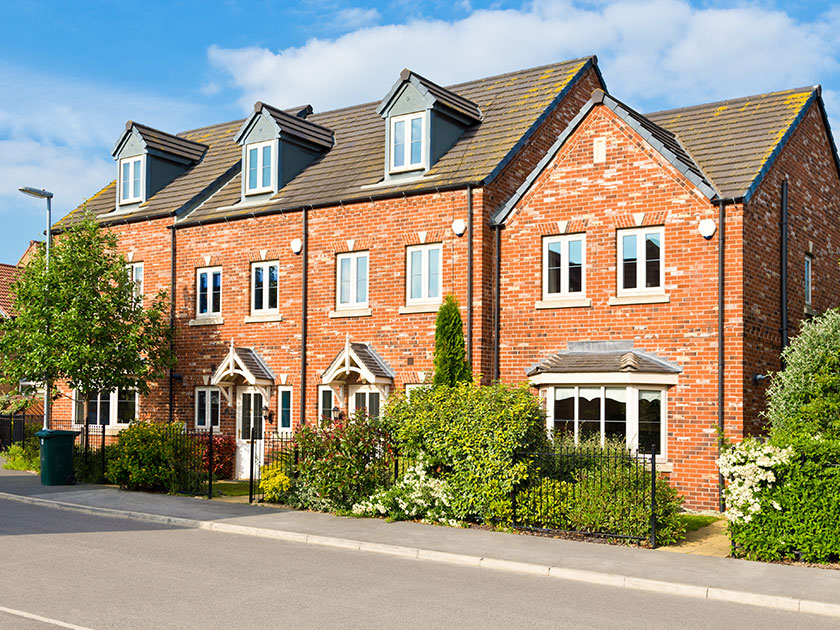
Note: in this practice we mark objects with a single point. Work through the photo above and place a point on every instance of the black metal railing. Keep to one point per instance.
(90, 456)
(588, 490)
(12, 428)
(273, 450)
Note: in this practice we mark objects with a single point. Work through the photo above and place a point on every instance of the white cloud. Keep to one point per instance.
(663, 53)
(356, 17)
(58, 133)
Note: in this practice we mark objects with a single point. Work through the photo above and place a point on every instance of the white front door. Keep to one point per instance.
(249, 418)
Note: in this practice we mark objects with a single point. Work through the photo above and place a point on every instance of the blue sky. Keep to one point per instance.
(72, 73)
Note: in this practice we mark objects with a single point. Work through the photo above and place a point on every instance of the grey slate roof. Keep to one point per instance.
(157, 140)
(571, 361)
(294, 124)
(444, 96)
(735, 141)
(255, 364)
(372, 360)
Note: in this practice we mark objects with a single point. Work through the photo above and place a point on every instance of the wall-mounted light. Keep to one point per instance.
(707, 228)
(757, 378)
(296, 245)
(459, 227)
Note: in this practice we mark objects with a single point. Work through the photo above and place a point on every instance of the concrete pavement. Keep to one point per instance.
(791, 588)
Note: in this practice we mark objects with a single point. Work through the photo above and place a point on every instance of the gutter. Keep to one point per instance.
(304, 299)
(470, 275)
(497, 298)
(783, 270)
(172, 250)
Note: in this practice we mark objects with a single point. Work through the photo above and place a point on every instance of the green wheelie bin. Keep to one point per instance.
(57, 457)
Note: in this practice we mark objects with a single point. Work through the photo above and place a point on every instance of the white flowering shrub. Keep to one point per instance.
(417, 495)
(750, 469)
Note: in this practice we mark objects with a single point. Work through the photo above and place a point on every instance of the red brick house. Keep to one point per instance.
(307, 254)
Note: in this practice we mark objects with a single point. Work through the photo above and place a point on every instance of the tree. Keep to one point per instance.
(82, 321)
(804, 398)
(451, 364)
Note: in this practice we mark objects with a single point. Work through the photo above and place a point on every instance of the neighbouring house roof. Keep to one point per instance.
(157, 140)
(30, 251)
(723, 148)
(8, 274)
(359, 358)
(604, 360)
(736, 141)
(512, 106)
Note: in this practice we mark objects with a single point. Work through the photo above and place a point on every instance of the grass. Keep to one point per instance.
(231, 488)
(693, 522)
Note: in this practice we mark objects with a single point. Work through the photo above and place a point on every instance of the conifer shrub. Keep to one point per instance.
(450, 362)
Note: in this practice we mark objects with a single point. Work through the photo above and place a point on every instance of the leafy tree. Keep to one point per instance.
(804, 398)
(81, 321)
(451, 364)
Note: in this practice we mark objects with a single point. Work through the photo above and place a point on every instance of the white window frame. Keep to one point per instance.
(259, 146)
(210, 271)
(564, 292)
(407, 165)
(208, 415)
(264, 265)
(321, 411)
(113, 408)
(354, 302)
(280, 391)
(632, 417)
(424, 282)
(641, 261)
(136, 193)
(133, 268)
(809, 278)
(366, 390)
(410, 387)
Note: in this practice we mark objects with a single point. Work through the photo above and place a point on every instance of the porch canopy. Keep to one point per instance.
(242, 366)
(359, 363)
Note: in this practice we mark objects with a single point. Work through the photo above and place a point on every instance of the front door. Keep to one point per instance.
(249, 418)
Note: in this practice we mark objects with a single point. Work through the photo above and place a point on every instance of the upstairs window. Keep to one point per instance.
(265, 289)
(564, 261)
(130, 178)
(208, 292)
(641, 266)
(408, 141)
(352, 280)
(424, 274)
(259, 167)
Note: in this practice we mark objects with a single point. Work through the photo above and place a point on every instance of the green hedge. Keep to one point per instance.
(799, 515)
(469, 436)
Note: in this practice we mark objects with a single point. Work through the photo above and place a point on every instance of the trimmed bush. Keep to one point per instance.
(155, 457)
(470, 436)
(341, 463)
(274, 482)
(606, 500)
(794, 513)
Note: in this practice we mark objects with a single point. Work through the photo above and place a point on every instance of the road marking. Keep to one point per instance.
(54, 622)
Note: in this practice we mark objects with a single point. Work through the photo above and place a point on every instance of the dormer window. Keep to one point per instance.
(260, 167)
(408, 141)
(130, 180)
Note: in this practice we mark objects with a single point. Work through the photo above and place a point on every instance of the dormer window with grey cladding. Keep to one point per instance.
(148, 160)
(276, 146)
(422, 122)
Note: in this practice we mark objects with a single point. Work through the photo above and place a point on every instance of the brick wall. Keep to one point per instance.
(635, 186)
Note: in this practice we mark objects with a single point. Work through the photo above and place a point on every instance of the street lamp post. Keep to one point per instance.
(44, 194)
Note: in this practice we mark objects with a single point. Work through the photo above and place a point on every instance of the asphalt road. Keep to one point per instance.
(71, 570)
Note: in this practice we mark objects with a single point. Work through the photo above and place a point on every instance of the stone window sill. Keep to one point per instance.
(419, 308)
(254, 319)
(657, 298)
(564, 303)
(351, 312)
(214, 320)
